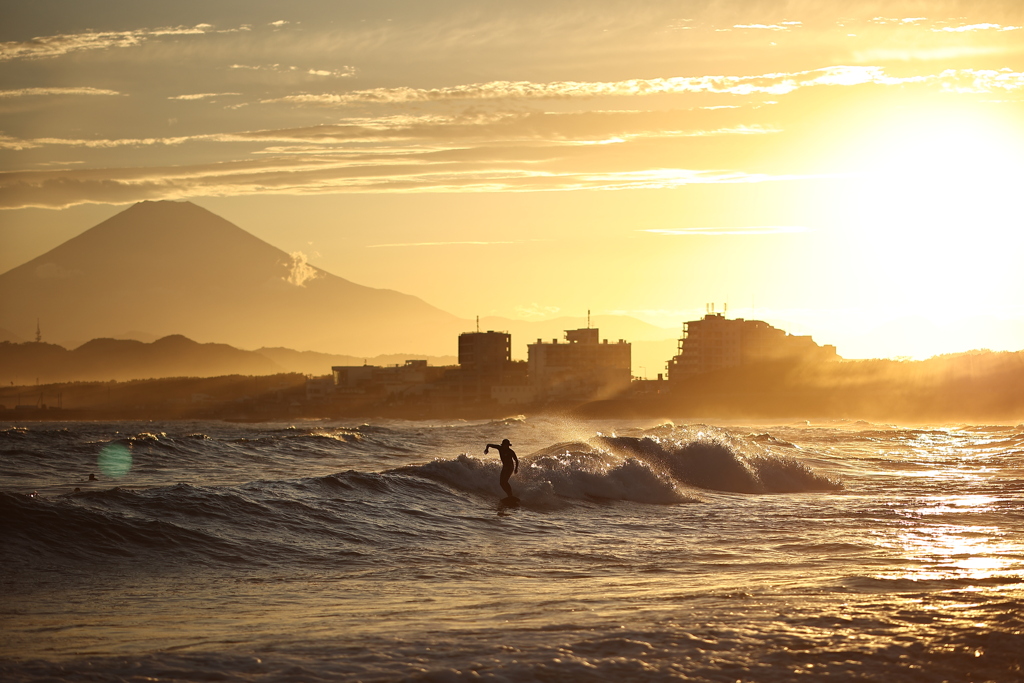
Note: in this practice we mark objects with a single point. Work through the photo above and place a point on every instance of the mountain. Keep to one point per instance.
(175, 268)
(102, 360)
(316, 363)
(8, 336)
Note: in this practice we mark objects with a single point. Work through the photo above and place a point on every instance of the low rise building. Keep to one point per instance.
(319, 389)
(582, 368)
(392, 381)
(716, 342)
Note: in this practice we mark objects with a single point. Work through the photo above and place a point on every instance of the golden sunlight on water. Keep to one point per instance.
(935, 550)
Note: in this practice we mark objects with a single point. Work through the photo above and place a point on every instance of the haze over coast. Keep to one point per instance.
(173, 268)
(839, 169)
(494, 222)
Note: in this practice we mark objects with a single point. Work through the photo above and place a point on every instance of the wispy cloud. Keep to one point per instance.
(574, 128)
(904, 20)
(204, 95)
(762, 84)
(341, 72)
(781, 26)
(745, 230)
(7, 142)
(51, 92)
(976, 27)
(982, 81)
(59, 45)
(486, 170)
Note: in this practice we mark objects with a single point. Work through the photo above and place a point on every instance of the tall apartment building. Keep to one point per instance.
(484, 351)
(583, 367)
(487, 372)
(716, 342)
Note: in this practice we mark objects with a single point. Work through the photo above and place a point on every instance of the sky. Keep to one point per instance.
(850, 170)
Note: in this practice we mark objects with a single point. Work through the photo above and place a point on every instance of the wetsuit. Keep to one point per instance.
(509, 464)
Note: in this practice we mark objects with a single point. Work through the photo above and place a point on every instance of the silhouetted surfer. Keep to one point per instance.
(509, 463)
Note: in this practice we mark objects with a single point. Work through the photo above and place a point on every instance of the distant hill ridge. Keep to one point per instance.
(166, 268)
(172, 356)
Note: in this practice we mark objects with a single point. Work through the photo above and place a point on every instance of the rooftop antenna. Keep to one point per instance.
(478, 323)
(726, 308)
(39, 333)
(588, 318)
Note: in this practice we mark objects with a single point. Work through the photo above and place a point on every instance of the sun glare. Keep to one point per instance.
(941, 173)
(932, 211)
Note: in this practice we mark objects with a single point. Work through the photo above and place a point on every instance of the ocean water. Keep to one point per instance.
(326, 551)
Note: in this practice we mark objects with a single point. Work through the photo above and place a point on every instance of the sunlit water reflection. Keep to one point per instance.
(303, 552)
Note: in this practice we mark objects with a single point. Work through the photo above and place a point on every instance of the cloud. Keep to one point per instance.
(205, 95)
(50, 92)
(981, 81)
(509, 169)
(746, 230)
(567, 128)
(14, 143)
(905, 20)
(976, 27)
(57, 46)
(781, 26)
(300, 272)
(342, 72)
(763, 84)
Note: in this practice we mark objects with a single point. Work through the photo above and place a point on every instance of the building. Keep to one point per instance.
(319, 389)
(487, 372)
(716, 342)
(584, 367)
(361, 383)
(484, 351)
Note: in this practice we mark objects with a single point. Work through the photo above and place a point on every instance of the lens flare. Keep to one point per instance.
(115, 460)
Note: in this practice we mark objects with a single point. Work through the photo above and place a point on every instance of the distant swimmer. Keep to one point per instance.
(92, 477)
(509, 463)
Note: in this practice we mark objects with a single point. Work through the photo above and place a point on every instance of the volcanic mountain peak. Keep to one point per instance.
(175, 268)
(169, 236)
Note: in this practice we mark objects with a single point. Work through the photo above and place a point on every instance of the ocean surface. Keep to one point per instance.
(330, 550)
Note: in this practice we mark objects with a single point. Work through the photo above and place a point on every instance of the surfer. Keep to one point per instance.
(509, 463)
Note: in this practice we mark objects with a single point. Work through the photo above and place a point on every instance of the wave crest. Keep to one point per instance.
(717, 463)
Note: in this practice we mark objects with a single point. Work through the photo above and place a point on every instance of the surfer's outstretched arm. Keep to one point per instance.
(490, 446)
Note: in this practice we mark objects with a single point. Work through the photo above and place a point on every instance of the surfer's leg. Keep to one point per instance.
(506, 472)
